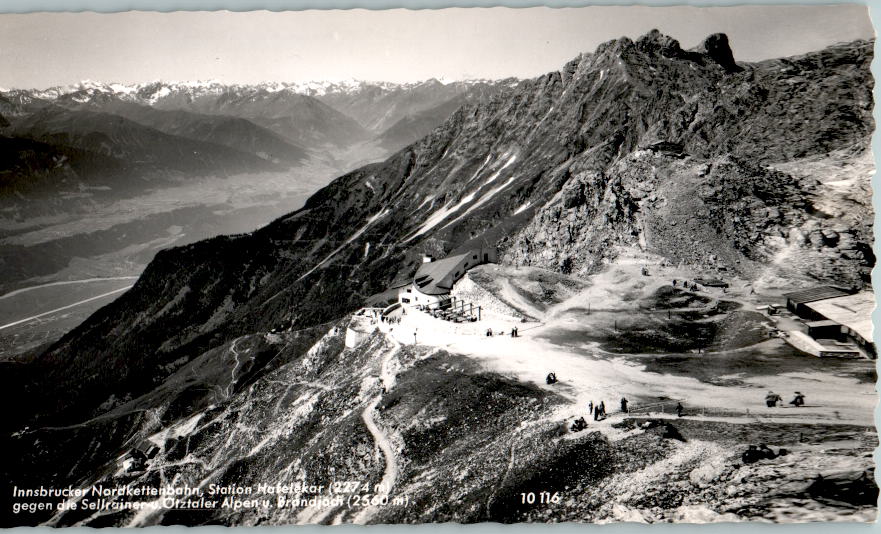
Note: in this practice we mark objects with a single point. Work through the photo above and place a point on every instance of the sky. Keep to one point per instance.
(46, 49)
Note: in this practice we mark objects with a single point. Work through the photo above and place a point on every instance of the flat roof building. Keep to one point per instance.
(834, 319)
(852, 312)
(796, 301)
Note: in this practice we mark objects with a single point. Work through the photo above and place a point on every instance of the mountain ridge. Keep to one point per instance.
(313, 88)
(375, 105)
(299, 119)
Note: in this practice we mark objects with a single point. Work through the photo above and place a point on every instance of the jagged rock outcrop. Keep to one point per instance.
(716, 48)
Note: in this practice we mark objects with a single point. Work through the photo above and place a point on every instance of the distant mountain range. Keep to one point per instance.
(379, 107)
(376, 106)
(148, 132)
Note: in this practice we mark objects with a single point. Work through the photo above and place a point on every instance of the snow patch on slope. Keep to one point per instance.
(488, 156)
(498, 172)
(353, 237)
(523, 208)
(439, 216)
(483, 200)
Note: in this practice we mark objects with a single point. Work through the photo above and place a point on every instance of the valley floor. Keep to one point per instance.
(37, 315)
(69, 257)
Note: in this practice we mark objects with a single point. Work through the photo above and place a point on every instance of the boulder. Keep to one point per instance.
(797, 237)
(573, 197)
(830, 237)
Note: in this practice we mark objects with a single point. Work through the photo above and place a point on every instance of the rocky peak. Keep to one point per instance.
(655, 42)
(615, 46)
(716, 48)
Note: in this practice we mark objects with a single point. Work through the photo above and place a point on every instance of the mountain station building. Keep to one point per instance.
(434, 280)
(839, 323)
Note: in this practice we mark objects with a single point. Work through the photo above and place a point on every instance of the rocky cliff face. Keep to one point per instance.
(725, 213)
(701, 187)
(684, 153)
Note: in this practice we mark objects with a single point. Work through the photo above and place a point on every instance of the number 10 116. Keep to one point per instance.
(542, 497)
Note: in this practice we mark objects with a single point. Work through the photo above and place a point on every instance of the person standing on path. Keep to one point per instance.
(771, 399)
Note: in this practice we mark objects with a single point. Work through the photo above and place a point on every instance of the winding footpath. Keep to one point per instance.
(390, 474)
(233, 378)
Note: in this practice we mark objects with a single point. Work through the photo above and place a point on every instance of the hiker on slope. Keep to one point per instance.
(771, 399)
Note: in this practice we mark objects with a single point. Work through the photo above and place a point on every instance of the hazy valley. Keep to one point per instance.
(98, 177)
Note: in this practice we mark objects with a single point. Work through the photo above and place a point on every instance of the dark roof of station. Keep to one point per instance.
(814, 294)
(430, 274)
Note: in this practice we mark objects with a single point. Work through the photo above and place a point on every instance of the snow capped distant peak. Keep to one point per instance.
(351, 86)
(87, 85)
(123, 89)
(323, 87)
(161, 93)
(274, 87)
(198, 84)
(152, 92)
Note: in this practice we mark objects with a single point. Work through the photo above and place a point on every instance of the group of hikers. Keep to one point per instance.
(514, 332)
(684, 284)
(391, 320)
(773, 399)
(599, 410)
